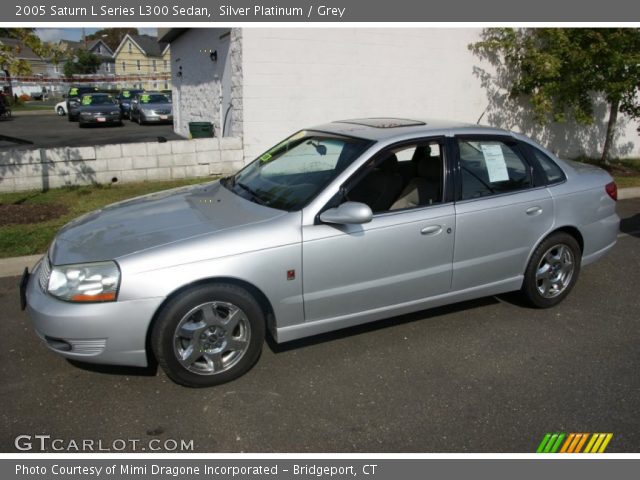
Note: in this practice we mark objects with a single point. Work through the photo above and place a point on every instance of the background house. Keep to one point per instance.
(261, 84)
(141, 61)
(41, 68)
(97, 47)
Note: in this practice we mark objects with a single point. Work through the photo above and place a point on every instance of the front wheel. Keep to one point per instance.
(61, 112)
(209, 335)
(552, 271)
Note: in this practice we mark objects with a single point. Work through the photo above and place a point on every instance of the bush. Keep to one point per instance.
(24, 97)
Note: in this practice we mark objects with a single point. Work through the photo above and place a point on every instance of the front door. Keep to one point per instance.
(402, 256)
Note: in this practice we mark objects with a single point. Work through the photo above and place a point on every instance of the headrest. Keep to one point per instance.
(429, 168)
(421, 153)
(389, 164)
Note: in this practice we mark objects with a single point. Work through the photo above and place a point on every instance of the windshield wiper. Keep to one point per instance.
(251, 192)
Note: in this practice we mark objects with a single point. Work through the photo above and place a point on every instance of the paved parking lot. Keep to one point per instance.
(482, 376)
(48, 130)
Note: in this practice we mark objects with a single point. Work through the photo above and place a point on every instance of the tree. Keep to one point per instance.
(112, 36)
(10, 62)
(563, 70)
(83, 63)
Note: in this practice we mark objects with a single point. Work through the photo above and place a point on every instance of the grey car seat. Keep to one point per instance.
(380, 187)
(425, 188)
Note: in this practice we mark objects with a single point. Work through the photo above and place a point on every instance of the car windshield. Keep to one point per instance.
(154, 98)
(292, 173)
(97, 100)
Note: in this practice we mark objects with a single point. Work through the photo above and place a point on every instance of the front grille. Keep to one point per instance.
(162, 112)
(45, 272)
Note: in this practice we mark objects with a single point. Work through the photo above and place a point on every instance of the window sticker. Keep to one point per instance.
(86, 100)
(145, 98)
(126, 94)
(266, 157)
(73, 92)
(495, 162)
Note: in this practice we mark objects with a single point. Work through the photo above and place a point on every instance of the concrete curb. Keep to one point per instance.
(27, 113)
(627, 193)
(10, 267)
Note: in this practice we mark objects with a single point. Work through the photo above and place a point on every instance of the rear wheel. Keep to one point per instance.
(209, 335)
(552, 271)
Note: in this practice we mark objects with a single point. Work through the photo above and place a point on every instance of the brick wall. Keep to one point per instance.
(130, 162)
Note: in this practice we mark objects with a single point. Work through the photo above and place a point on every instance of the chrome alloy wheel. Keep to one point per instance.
(555, 271)
(211, 338)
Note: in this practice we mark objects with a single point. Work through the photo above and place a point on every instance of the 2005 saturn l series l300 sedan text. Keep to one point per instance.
(338, 225)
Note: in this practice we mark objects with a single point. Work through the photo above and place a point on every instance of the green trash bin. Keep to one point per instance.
(201, 129)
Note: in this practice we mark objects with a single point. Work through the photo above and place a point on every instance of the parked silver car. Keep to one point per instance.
(338, 225)
(151, 107)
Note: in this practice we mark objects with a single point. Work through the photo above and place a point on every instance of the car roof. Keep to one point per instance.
(385, 128)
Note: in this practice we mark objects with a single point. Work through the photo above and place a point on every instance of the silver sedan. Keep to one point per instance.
(342, 224)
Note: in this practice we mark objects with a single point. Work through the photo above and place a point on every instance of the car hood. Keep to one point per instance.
(99, 108)
(153, 220)
(165, 106)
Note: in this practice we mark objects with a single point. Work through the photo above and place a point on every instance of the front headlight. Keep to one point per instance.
(87, 282)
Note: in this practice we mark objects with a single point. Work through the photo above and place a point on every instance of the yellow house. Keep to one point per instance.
(141, 61)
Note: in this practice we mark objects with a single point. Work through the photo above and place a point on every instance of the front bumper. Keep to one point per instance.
(157, 118)
(100, 120)
(108, 333)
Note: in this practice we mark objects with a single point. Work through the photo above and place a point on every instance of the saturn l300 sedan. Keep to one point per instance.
(338, 225)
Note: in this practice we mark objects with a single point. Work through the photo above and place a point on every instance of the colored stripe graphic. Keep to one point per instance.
(573, 442)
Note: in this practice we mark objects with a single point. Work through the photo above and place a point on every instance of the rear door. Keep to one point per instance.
(501, 211)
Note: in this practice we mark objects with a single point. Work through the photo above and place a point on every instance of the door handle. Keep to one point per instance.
(431, 230)
(534, 210)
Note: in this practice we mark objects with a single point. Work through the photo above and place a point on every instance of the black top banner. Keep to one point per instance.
(227, 11)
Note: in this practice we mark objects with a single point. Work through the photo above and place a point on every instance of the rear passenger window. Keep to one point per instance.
(490, 167)
(552, 171)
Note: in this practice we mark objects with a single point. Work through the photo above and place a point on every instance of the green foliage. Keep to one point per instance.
(83, 63)
(562, 70)
(9, 60)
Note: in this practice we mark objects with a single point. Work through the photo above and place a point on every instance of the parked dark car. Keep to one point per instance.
(151, 107)
(99, 109)
(73, 100)
(124, 99)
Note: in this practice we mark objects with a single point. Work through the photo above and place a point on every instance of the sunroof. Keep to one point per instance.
(383, 122)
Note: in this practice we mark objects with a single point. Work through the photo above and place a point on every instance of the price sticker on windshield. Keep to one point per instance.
(86, 100)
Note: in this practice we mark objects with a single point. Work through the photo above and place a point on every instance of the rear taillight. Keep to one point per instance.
(612, 190)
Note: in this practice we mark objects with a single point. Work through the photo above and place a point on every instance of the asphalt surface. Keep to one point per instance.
(48, 130)
(482, 376)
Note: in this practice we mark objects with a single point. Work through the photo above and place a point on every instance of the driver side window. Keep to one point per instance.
(403, 177)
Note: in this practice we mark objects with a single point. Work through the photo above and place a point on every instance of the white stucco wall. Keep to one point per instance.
(196, 91)
(294, 78)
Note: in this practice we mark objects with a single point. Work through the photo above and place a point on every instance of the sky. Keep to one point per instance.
(55, 34)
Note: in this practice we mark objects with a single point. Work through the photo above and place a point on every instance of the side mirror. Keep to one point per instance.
(348, 213)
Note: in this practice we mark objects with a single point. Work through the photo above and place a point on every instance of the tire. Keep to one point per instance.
(552, 271)
(191, 339)
(140, 120)
(60, 112)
